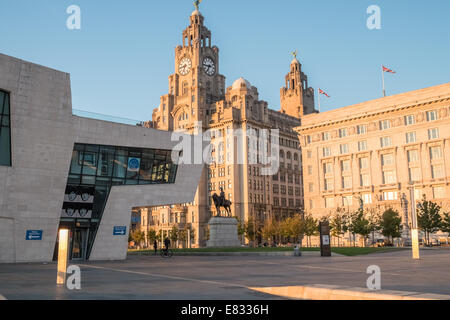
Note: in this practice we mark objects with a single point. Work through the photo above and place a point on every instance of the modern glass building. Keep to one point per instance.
(94, 169)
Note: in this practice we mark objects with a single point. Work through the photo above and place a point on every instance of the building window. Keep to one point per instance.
(390, 195)
(345, 165)
(365, 180)
(347, 201)
(311, 187)
(432, 115)
(346, 182)
(310, 170)
(276, 189)
(433, 133)
(411, 137)
(311, 204)
(327, 152)
(329, 202)
(367, 198)
(5, 129)
(329, 185)
(361, 129)
(309, 154)
(344, 148)
(326, 136)
(439, 192)
(410, 120)
(387, 159)
(435, 153)
(363, 163)
(389, 177)
(308, 139)
(385, 124)
(437, 171)
(413, 156)
(414, 174)
(328, 168)
(386, 142)
(343, 133)
(362, 145)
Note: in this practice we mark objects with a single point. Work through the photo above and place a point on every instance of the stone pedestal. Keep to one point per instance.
(223, 233)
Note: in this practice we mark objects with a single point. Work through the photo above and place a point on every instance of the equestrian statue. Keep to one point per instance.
(221, 202)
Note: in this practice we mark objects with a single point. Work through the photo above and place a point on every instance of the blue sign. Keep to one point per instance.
(134, 164)
(34, 235)
(119, 231)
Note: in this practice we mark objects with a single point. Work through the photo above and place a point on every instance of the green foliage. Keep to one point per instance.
(311, 226)
(391, 224)
(137, 236)
(446, 223)
(361, 224)
(250, 230)
(428, 217)
(173, 234)
(151, 236)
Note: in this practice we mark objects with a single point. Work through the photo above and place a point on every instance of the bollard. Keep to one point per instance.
(63, 255)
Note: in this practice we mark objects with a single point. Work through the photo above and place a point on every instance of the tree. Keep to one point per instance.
(361, 225)
(268, 231)
(250, 230)
(151, 236)
(337, 225)
(374, 219)
(428, 217)
(391, 224)
(138, 236)
(311, 227)
(173, 235)
(445, 227)
(296, 228)
(182, 235)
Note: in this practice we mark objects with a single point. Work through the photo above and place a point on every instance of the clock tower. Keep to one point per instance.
(196, 84)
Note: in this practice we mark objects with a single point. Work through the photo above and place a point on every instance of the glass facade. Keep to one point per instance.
(93, 171)
(5, 129)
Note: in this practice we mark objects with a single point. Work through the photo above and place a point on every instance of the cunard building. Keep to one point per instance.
(198, 97)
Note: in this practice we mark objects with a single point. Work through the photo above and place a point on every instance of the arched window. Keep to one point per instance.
(288, 155)
(281, 154)
(295, 156)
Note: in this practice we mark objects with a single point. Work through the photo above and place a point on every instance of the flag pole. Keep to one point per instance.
(384, 88)
(318, 92)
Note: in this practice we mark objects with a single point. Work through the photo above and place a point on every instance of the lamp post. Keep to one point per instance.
(414, 224)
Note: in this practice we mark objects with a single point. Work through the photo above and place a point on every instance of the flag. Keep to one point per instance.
(388, 70)
(324, 93)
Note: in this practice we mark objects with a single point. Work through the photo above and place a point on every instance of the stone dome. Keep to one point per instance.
(241, 82)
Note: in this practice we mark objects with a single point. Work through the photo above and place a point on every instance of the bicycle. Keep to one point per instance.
(166, 253)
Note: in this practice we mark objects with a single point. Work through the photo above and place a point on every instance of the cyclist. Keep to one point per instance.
(167, 245)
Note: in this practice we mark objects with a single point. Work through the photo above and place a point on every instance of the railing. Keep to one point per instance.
(104, 117)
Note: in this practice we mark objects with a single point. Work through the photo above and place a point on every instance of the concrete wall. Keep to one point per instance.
(43, 135)
(32, 190)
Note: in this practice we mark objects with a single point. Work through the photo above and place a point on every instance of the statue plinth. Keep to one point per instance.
(223, 233)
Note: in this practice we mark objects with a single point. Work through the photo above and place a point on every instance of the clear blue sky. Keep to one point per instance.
(120, 59)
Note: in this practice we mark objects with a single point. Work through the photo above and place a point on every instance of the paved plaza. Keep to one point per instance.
(220, 278)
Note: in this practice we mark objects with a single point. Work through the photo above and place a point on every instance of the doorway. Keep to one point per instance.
(79, 244)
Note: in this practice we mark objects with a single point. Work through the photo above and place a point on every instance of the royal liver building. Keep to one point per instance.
(197, 97)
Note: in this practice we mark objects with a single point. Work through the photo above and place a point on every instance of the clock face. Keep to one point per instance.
(185, 66)
(209, 66)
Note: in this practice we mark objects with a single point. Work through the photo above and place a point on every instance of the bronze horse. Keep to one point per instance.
(222, 202)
